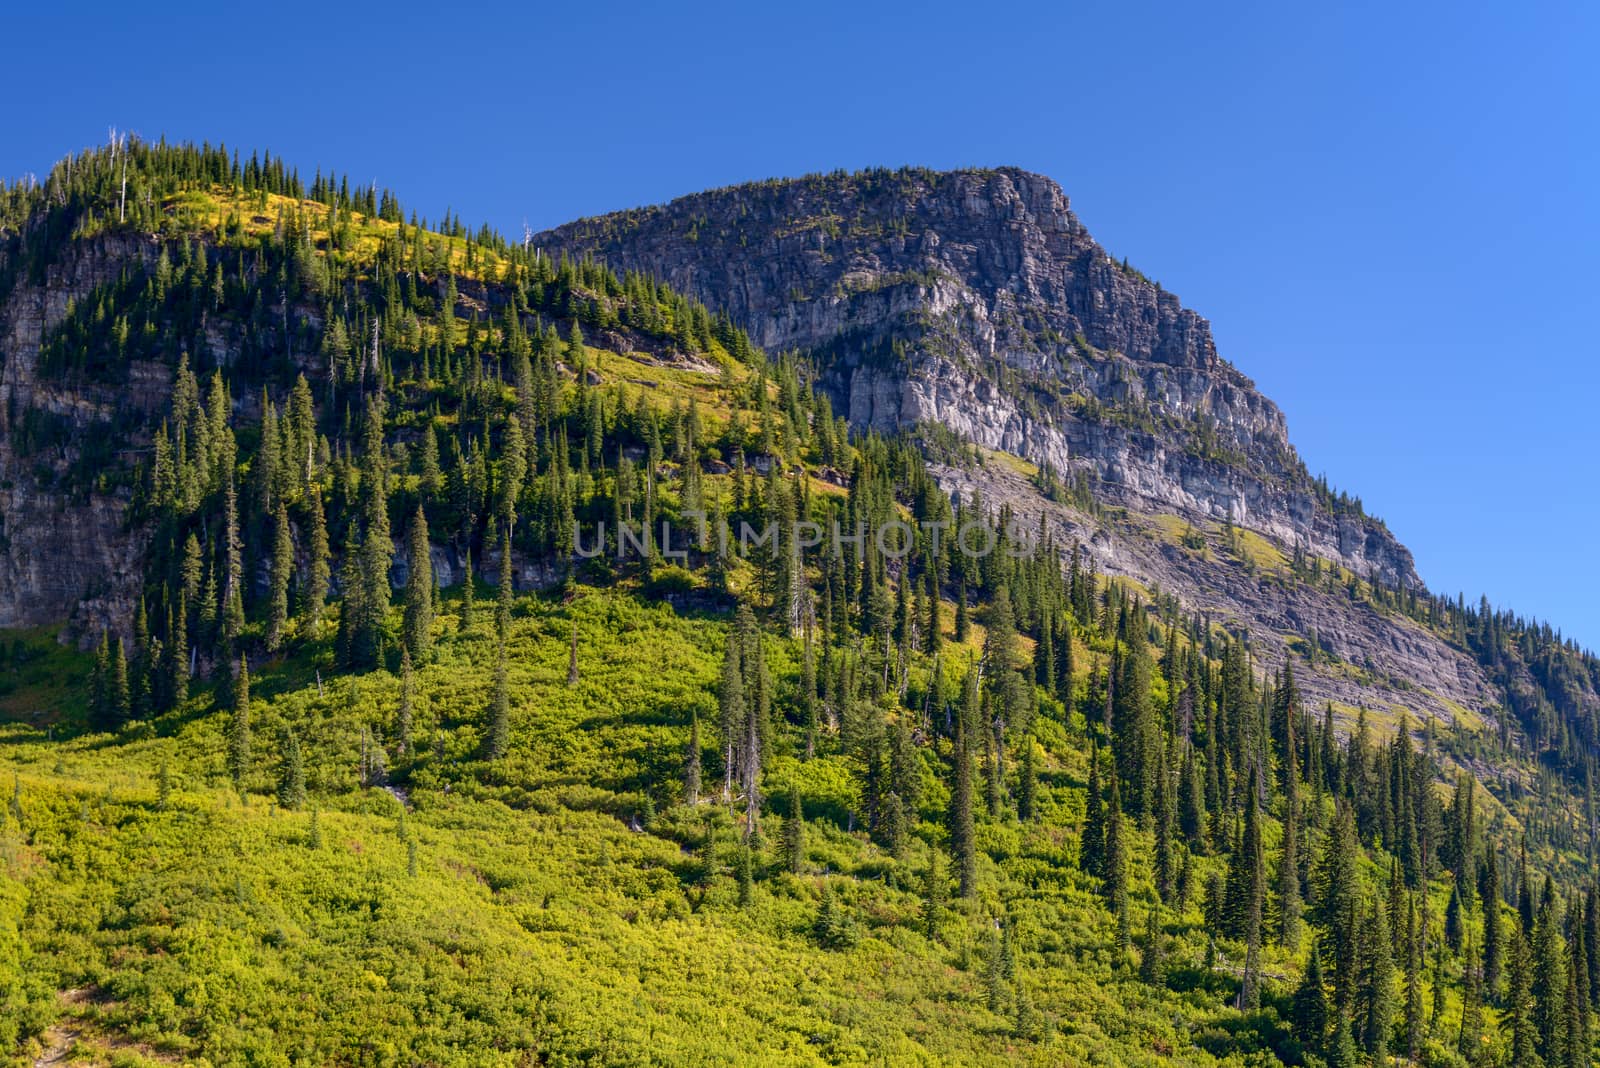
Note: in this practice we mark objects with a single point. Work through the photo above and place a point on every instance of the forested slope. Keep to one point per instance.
(441, 713)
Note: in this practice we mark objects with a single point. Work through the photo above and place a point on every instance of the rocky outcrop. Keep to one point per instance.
(67, 551)
(977, 302)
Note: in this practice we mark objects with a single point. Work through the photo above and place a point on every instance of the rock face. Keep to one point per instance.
(67, 551)
(977, 302)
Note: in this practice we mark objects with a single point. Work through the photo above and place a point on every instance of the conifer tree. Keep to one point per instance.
(504, 594)
(1116, 864)
(933, 893)
(498, 740)
(1028, 788)
(239, 727)
(963, 833)
(1165, 824)
(418, 622)
(1549, 979)
(1377, 982)
(1153, 964)
(691, 764)
(120, 700)
(1309, 1009)
(1092, 843)
(1519, 1005)
(279, 575)
(292, 777)
(1470, 1038)
(163, 786)
(407, 712)
(1414, 1021)
(794, 831)
(318, 567)
(1492, 929)
(467, 593)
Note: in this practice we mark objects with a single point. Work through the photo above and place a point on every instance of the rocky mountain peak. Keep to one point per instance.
(976, 301)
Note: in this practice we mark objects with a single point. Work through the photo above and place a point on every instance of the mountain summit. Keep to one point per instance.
(976, 301)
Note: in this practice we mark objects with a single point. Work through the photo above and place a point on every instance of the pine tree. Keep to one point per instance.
(1116, 864)
(281, 570)
(1153, 964)
(163, 786)
(239, 727)
(963, 832)
(418, 622)
(1492, 929)
(120, 700)
(407, 712)
(794, 832)
(691, 764)
(1092, 843)
(1028, 788)
(319, 569)
(498, 740)
(1414, 1021)
(1519, 1005)
(504, 593)
(1377, 982)
(292, 778)
(833, 929)
(1549, 979)
(467, 594)
(933, 893)
(1309, 1010)
(1470, 1039)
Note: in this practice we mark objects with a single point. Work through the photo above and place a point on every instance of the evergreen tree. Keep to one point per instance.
(1470, 1040)
(119, 698)
(467, 593)
(1377, 982)
(1092, 843)
(1519, 1005)
(292, 778)
(691, 764)
(278, 580)
(1309, 1008)
(963, 832)
(319, 570)
(418, 623)
(933, 893)
(1028, 788)
(794, 831)
(1116, 864)
(1491, 930)
(407, 712)
(498, 738)
(1153, 964)
(239, 727)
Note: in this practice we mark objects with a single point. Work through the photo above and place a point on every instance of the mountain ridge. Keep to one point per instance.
(976, 300)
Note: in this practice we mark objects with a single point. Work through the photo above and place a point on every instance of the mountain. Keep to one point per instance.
(385, 679)
(975, 303)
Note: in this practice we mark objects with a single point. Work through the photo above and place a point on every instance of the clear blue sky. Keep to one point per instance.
(1388, 211)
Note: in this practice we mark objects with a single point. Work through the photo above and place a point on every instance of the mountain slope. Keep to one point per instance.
(378, 761)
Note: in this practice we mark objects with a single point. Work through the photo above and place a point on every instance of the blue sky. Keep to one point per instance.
(1387, 211)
